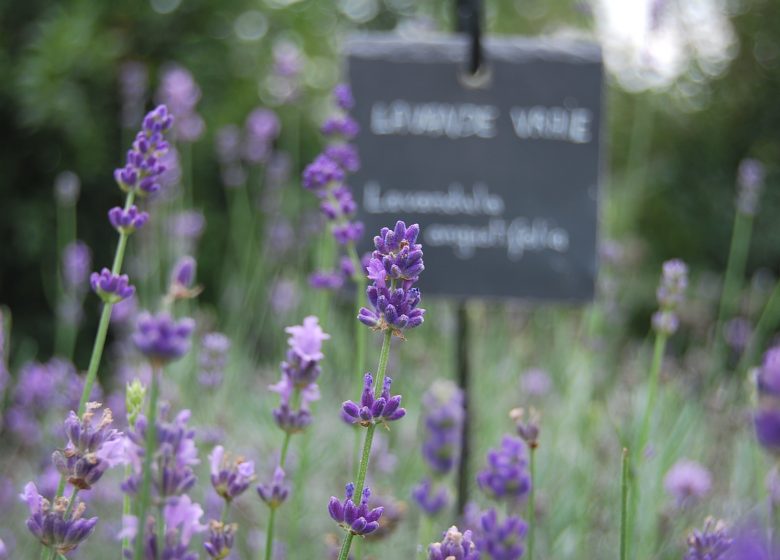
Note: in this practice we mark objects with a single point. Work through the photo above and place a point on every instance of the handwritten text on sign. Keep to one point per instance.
(502, 178)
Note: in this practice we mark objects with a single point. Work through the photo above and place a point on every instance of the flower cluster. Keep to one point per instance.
(112, 288)
(161, 338)
(501, 541)
(766, 419)
(711, 543)
(127, 220)
(443, 423)
(179, 91)
(505, 476)
(357, 519)
(454, 546)
(371, 410)
(326, 176)
(670, 295)
(299, 374)
(91, 449)
(750, 182)
(394, 268)
(229, 478)
(220, 539)
(143, 169)
(58, 526)
(274, 493)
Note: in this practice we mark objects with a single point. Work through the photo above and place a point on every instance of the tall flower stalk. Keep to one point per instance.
(394, 268)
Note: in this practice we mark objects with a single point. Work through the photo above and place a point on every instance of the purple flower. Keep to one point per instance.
(711, 543)
(326, 280)
(187, 225)
(527, 426)
(127, 221)
(398, 253)
(143, 168)
(179, 91)
(348, 232)
(230, 478)
(111, 288)
(393, 308)
(431, 499)
(213, 358)
(322, 172)
(341, 126)
(91, 449)
(535, 382)
(768, 378)
(687, 481)
(345, 155)
(750, 180)
(665, 322)
(505, 476)
(220, 540)
(76, 263)
(443, 421)
(133, 81)
(766, 422)
(501, 541)
(306, 339)
(284, 296)
(162, 339)
(372, 410)
(674, 281)
(50, 524)
(357, 519)
(182, 514)
(274, 493)
(342, 95)
(228, 144)
(262, 128)
(183, 274)
(454, 546)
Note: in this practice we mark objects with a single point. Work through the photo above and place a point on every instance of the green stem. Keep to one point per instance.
(769, 316)
(126, 509)
(269, 536)
(225, 513)
(285, 447)
(360, 331)
(624, 507)
(532, 503)
(363, 469)
(146, 481)
(732, 282)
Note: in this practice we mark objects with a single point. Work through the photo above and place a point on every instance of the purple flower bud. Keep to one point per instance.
(371, 410)
(322, 172)
(431, 499)
(179, 91)
(454, 546)
(51, 525)
(111, 288)
(274, 493)
(342, 95)
(183, 274)
(711, 543)
(674, 281)
(230, 478)
(127, 221)
(505, 476)
(527, 426)
(357, 519)
(220, 539)
(326, 280)
(345, 155)
(343, 126)
(443, 422)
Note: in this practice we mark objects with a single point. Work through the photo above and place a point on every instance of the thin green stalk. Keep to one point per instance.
(363, 469)
(769, 317)
(285, 447)
(225, 513)
(269, 535)
(146, 481)
(732, 281)
(624, 521)
(423, 534)
(126, 509)
(532, 503)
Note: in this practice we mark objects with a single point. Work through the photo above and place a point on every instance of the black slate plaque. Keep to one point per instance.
(503, 177)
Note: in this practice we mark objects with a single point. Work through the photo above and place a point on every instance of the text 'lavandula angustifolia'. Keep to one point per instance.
(394, 267)
(297, 389)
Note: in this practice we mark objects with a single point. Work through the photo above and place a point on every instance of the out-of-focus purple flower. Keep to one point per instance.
(506, 475)
(665, 322)
(214, 348)
(171, 177)
(187, 225)
(454, 546)
(535, 382)
(711, 543)
(750, 181)
(52, 525)
(430, 498)
(674, 282)
(306, 339)
(67, 187)
(371, 410)
(161, 338)
(262, 129)
(283, 81)
(751, 543)
(321, 173)
(278, 169)
(111, 288)
(179, 91)
(443, 421)
(275, 492)
(738, 333)
(284, 296)
(393, 513)
(133, 83)
(143, 168)
(289, 420)
(348, 232)
(127, 221)
(341, 126)
(76, 265)
(220, 539)
(5, 553)
(124, 311)
(501, 541)
(527, 425)
(228, 144)
(687, 482)
(91, 449)
(345, 155)
(768, 378)
(766, 422)
(176, 455)
(183, 515)
(230, 478)
(357, 519)
(322, 280)
(182, 281)
(342, 95)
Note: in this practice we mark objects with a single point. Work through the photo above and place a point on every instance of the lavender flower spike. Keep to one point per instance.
(220, 539)
(111, 288)
(50, 525)
(275, 493)
(91, 449)
(142, 171)
(711, 543)
(430, 499)
(127, 221)
(357, 519)
(501, 541)
(454, 546)
(161, 338)
(372, 410)
(230, 478)
(505, 476)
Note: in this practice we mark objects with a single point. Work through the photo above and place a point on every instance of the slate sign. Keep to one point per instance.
(503, 178)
